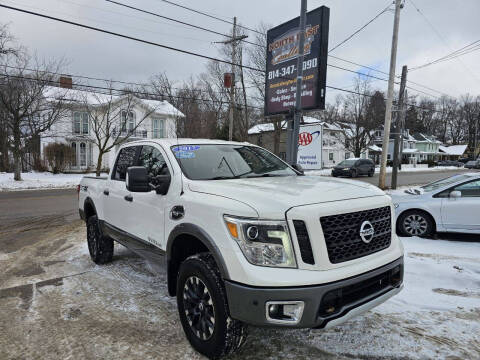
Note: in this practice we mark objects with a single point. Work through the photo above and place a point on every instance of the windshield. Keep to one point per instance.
(214, 162)
(443, 182)
(347, 163)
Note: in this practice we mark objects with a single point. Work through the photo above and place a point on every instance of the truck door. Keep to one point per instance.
(150, 207)
(119, 210)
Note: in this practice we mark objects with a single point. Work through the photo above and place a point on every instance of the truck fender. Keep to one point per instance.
(200, 234)
(89, 209)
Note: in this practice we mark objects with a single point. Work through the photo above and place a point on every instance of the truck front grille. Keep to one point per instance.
(342, 233)
(304, 242)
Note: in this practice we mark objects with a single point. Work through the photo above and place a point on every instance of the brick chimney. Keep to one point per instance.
(66, 82)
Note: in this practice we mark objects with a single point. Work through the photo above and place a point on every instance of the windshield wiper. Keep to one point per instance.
(223, 177)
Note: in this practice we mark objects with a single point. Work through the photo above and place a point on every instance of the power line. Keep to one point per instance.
(127, 37)
(156, 44)
(210, 16)
(474, 46)
(121, 91)
(361, 28)
(177, 21)
(441, 38)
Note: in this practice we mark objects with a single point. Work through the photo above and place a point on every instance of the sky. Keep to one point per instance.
(440, 27)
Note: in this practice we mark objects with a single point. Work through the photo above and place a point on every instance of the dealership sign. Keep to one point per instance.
(282, 53)
(310, 147)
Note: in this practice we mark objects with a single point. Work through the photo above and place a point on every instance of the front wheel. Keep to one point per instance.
(203, 309)
(415, 223)
(353, 173)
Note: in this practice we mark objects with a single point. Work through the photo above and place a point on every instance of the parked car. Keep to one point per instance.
(448, 205)
(465, 160)
(450, 163)
(245, 237)
(474, 164)
(354, 167)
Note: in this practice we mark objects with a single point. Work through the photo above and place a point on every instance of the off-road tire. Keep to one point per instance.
(422, 217)
(228, 334)
(100, 246)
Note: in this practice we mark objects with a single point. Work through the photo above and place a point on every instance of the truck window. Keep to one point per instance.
(126, 157)
(152, 159)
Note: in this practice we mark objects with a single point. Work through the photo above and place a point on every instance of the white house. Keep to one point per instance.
(136, 119)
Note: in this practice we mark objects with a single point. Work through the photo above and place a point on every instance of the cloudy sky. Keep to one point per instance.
(445, 26)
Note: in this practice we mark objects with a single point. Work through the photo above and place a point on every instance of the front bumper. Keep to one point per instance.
(349, 297)
(341, 172)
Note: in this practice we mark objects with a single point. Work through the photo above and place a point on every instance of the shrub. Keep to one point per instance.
(58, 156)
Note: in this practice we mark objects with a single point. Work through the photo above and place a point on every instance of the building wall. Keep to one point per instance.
(63, 131)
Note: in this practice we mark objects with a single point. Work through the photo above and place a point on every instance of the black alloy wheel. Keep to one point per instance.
(199, 308)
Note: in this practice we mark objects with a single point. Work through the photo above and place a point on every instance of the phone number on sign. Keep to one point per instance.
(288, 70)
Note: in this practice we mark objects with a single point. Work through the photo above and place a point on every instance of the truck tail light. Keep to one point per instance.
(78, 192)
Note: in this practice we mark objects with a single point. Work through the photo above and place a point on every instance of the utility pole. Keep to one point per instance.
(234, 39)
(388, 110)
(399, 127)
(293, 129)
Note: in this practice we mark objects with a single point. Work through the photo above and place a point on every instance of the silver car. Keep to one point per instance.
(448, 205)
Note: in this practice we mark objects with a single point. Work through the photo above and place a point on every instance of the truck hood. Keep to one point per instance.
(271, 197)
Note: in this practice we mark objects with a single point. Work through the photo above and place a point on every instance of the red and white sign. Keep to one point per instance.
(310, 147)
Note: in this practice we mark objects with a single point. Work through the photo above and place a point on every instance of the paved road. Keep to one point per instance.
(22, 205)
(18, 206)
(414, 178)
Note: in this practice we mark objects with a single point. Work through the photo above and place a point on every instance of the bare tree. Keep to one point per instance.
(112, 118)
(29, 106)
(358, 127)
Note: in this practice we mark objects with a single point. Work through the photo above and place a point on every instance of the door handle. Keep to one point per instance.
(106, 192)
(128, 198)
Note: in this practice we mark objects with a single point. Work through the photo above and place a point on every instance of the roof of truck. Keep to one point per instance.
(187, 141)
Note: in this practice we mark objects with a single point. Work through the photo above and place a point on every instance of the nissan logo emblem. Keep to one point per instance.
(366, 232)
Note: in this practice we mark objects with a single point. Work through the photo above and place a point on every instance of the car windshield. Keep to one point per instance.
(443, 182)
(218, 161)
(348, 162)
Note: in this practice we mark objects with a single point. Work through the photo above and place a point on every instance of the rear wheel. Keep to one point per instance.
(415, 223)
(203, 309)
(371, 172)
(100, 246)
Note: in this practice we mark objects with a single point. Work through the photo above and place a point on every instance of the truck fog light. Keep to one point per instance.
(284, 312)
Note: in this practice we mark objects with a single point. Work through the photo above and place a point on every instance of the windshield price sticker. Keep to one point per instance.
(184, 154)
(186, 148)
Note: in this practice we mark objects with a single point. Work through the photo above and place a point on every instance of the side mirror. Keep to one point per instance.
(298, 168)
(137, 179)
(162, 183)
(455, 194)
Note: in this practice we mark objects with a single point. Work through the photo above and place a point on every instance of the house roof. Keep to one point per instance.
(162, 107)
(375, 148)
(454, 149)
(425, 138)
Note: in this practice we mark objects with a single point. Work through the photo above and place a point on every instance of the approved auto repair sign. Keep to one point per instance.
(282, 52)
(310, 146)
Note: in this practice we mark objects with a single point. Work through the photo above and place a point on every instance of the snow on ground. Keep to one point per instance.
(328, 171)
(122, 310)
(40, 180)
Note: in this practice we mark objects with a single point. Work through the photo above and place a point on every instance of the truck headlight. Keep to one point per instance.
(263, 242)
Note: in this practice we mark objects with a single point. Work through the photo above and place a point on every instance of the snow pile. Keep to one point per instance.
(40, 180)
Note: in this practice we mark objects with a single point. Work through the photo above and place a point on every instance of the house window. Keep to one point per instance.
(83, 154)
(347, 155)
(158, 128)
(128, 121)
(330, 156)
(80, 123)
(90, 154)
(74, 154)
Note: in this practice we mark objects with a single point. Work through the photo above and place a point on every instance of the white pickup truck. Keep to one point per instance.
(247, 238)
